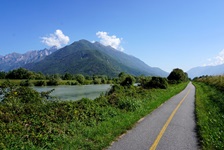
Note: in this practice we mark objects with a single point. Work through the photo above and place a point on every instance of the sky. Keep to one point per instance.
(163, 33)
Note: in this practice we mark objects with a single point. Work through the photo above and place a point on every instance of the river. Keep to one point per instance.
(76, 92)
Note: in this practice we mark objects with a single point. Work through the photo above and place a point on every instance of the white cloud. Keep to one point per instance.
(57, 39)
(218, 60)
(112, 41)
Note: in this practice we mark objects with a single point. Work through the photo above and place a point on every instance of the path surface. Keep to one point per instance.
(170, 127)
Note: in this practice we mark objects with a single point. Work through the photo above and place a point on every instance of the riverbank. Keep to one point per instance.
(27, 82)
(84, 124)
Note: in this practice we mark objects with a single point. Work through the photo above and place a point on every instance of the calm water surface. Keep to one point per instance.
(76, 92)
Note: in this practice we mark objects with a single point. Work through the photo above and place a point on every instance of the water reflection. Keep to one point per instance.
(76, 92)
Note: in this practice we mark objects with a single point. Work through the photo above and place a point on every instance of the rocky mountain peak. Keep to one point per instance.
(16, 60)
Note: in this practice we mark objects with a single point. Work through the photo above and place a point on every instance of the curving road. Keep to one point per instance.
(170, 127)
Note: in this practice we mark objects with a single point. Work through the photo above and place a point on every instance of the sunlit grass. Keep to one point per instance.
(210, 116)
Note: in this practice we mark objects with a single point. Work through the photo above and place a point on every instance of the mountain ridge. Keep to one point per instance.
(92, 58)
(206, 70)
(15, 60)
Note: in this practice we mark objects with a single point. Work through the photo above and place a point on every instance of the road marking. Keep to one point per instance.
(156, 142)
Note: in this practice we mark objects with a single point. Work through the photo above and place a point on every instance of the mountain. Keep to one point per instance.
(16, 60)
(130, 61)
(206, 70)
(92, 59)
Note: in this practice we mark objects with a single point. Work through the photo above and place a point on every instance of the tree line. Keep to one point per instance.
(54, 79)
(176, 76)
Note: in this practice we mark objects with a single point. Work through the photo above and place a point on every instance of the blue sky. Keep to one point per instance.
(163, 33)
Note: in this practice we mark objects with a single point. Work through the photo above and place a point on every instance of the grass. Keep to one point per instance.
(83, 124)
(210, 116)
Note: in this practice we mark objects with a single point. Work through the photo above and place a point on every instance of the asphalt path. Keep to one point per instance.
(170, 127)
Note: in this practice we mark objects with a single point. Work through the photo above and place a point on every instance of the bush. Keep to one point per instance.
(177, 76)
(26, 83)
(53, 82)
(127, 80)
(97, 81)
(80, 78)
(128, 104)
(115, 88)
(156, 82)
(40, 83)
(22, 95)
(144, 80)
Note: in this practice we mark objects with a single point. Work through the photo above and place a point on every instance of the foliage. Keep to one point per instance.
(177, 76)
(53, 81)
(210, 115)
(143, 80)
(29, 121)
(2, 75)
(29, 78)
(128, 81)
(26, 83)
(40, 83)
(80, 78)
(156, 82)
(19, 95)
(215, 81)
(97, 81)
(22, 73)
(67, 76)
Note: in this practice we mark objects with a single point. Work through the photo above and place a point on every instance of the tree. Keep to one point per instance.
(127, 80)
(80, 78)
(2, 75)
(20, 73)
(156, 82)
(122, 74)
(67, 76)
(177, 76)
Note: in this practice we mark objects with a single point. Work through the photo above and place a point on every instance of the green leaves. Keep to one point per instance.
(30, 122)
(177, 76)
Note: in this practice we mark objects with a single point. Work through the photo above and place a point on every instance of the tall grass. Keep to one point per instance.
(210, 112)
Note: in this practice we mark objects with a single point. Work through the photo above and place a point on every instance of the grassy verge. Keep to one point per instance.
(210, 116)
(83, 124)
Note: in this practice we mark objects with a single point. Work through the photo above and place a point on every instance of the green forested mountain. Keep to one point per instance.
(92, 59)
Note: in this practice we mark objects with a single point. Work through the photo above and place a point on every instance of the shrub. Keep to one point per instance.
(177, 76)
(22, 95)
(97, 81)
(26, 83)
(40, 83)
(53, 82)
(115, 88)
(80, 78)
(156, 82)
(144, 80)
(127, 80)
(128, 104)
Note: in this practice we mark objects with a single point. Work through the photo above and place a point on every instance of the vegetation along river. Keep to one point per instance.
(75, 92)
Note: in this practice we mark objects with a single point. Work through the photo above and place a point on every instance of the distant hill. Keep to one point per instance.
(207, 70)
(92, 59)
(16, 60)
